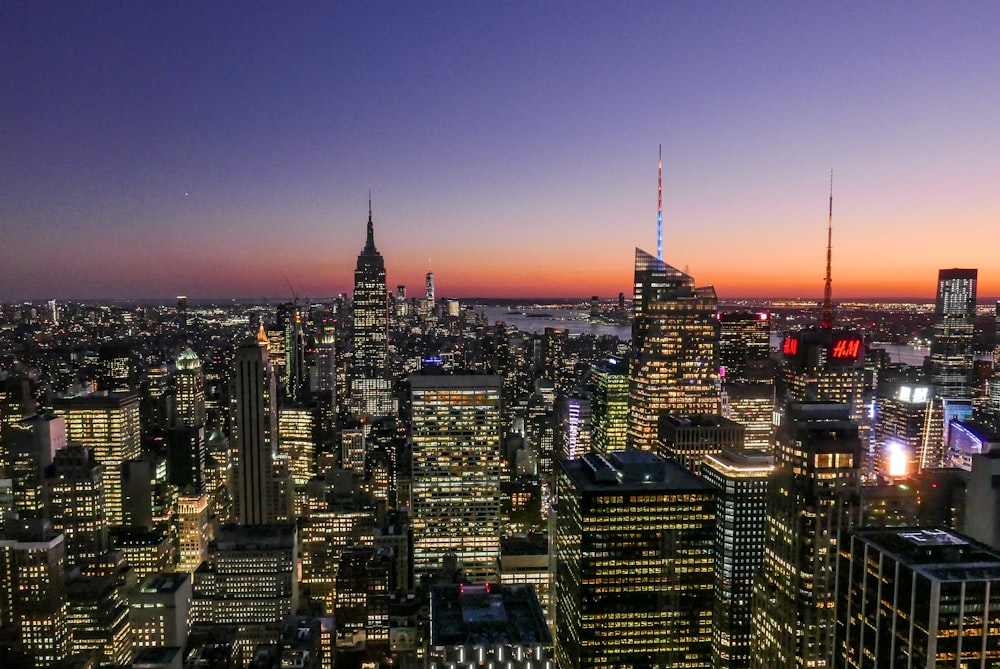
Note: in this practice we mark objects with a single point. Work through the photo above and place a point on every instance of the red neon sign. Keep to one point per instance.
(845, 348)
(791, 346)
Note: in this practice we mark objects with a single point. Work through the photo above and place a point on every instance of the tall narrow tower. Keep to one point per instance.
(369, 384)
(828, 284)
(659, 207)
(254, 433)
(950, 361)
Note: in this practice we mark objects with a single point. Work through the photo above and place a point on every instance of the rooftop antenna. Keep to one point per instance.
(828, 285)
(659, 207)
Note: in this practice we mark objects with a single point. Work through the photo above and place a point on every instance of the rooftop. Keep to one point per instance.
(490, 614)
(939, 554)
(633, 470)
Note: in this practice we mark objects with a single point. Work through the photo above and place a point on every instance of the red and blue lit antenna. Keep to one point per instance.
(828, 285)
(659, 207)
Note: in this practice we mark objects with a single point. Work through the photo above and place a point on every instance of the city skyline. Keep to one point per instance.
(182, 149)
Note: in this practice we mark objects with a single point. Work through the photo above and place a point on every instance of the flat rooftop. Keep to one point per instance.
(490, 614)
(633, 470)
(940, 554)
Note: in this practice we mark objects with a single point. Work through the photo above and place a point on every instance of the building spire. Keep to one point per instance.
(370, 240)
(659, 207)
(828, 284)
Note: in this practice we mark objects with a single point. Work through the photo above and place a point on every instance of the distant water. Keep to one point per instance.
(573, 321)
(905, 354)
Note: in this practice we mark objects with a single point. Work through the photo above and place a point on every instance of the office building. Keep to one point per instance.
(916, 597)
(812, 498)
(189, 404)
(608, 386)
(364, 577)
(752, 406)
(146, 550)
(674, 366)
(573, 422)
(254, 424)
(740, 478)
(32, 443)
(950, 361)
(456, 465)
(904, 419)
(369, 381)
(75, 503)
(97, 617)
(192, 531)
(634, 559)
(525, 560)
(293, 374)
(159, 610)
(116, 369)
(296, 441)
(744, 346)
(688, 439)
(109, 425)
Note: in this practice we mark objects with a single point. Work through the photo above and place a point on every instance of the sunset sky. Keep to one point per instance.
(221, 149)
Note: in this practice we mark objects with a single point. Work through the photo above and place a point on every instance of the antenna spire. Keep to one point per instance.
(370, 239)
(659, 207)
(828, 284)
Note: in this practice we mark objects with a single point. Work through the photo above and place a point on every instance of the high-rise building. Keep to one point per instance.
(97, 617)
(369, 382)
(752, 406)
(950, 361)
(634, 562)
(812, 495)
(107, 423)
(916, 597)
(254, 434)
(362, 586)
(674, 349)
(456, 464)
(192, 531)
(573, 420)
(608, 387)
(33, 592)
(555, 341)
(904, 420)
(159, 610)
(744, 346)
(75, 502)
(33, 442)
(293, 374)
(116, 369)
(189, 406)
(740, 477)
(296, 441)
(688, 439)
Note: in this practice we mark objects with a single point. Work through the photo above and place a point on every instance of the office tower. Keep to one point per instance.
(608, 385)
(744, 346)
(369, 382)
(967, 438)
(950, 361)
(181, 309)
(254, 434)
(426, 307)
(296, 426)
(573, 419)
(159, 610)
(146, 550)
(33, 592)
(634, 559)
(192, 531)
(97, 618)
(363, 586)
(115, 369)
(916, 597)
(525, 560)
(812, 496)
(325, 533)
(324, 370)
(33, 442)
(674, 349)
(903, 421)
(109, 425)
(16, 403)
(555, 341)
(456, 463)
(540, 426)
(740, 477)
(249, 578)
(75, 502)
(752, 406)
(402, 306)
(292, 377)
(686, 440)
(186, 457)
(468, 621)
(189, 405)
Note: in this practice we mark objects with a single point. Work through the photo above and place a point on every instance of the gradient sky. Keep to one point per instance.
(219, 149)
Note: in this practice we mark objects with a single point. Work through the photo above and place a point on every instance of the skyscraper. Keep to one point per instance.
(950, 361)
(190, 400)
(634, 544)
(608, 387)
(916, 597)
(254, 426)
(75, 502)
(674, 349)
(455, 438)
(811, 497)
(108, 423)
(369, 383)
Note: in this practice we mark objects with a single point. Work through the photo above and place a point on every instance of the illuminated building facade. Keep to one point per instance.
(249, 578)
(160, 609)
(75, 503)
(916, 597)
(903, 423)
(296, 441)
(573, 418)
(674, 365)
(33, 591)
(363, 585)
(189, 408)
(752, 406)
(950, 361)
(634, 563)
(456, 466)
(608, 387)
(109, 425)
(967, 438)
(254, 424)
(744, 346)
(293, 374)
(555, 341)
(116, 369)
(525, 560)
(325, 533)
(33, 442)
(687, 439)
(192, 531)
(147, 551)
(741, 480)
(369, 381)
(97, 618)
(812, 497)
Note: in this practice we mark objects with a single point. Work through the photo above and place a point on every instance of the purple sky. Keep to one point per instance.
(218, 149)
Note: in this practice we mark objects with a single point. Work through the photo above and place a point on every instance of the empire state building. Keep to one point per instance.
(370, 394)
